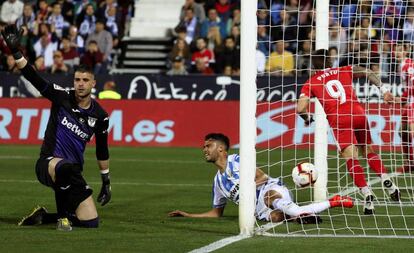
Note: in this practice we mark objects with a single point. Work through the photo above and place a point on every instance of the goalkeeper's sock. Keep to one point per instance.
(357, 173)
(376, 164)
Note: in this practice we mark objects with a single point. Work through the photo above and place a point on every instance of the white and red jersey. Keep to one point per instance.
(333, 88)
(407, 80)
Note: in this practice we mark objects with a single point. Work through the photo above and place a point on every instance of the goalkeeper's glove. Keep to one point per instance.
(105, 195)
(11, 35)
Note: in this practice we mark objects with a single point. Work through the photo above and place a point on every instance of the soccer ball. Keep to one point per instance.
(304, 174)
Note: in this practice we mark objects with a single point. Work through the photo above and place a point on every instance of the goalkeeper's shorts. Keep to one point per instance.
(42, 171)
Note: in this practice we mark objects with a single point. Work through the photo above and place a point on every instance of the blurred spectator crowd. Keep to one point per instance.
(59, 34)
(361, 32)
(207, 38)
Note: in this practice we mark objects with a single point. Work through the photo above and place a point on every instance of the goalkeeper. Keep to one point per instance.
(274, 200)
(74, 118)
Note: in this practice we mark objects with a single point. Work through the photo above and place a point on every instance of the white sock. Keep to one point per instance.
(366, 191)
(384, 177)
(292, 209)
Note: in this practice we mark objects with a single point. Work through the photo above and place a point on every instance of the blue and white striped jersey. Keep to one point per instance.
(226, 185)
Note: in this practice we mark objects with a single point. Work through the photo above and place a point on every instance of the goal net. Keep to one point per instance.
(377, 35)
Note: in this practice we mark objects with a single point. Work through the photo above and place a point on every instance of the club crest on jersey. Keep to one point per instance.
(91, 121)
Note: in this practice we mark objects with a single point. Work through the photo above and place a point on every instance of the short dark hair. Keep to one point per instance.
(84, 69)
(219, 137)
(320, 59)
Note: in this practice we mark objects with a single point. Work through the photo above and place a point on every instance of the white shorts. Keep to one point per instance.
(262, 210)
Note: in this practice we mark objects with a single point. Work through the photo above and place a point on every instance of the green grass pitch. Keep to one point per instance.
(147, 183)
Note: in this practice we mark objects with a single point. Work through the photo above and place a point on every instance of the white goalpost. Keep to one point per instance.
(247, 117)
(275, 139)
(321, 132)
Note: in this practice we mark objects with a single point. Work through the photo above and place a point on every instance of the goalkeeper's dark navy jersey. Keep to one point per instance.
(70, 127)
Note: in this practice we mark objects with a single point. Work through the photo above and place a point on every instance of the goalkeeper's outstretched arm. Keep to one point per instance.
(213, 213)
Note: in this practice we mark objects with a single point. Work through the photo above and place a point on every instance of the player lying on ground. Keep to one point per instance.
(346, 116)
(274, 202)
(74, 118)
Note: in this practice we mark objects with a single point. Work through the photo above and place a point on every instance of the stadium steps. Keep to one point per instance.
(144, 55)
(155, 18)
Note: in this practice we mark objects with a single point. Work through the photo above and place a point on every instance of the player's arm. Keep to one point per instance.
(302, 109)
(213, 213)
(12, 37)
(360, 72)
(102, 156)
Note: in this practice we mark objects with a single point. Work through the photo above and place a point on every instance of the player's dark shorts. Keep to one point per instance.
(42, 171)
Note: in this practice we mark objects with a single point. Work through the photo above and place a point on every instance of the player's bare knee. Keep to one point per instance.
(369, 150)
(350, 152)
(270, 197)
(86, 210)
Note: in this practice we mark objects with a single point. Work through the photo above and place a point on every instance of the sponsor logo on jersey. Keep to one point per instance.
(91, 121)
(74, 128)
(234, 192)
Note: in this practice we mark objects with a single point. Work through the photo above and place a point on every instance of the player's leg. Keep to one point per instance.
(350, 153)
(73, 196)
(406, 142)
(376, 164)
(409, 144)
(346, 140)
(46, 175)
(86, 214)
(304, 214)
(363, 136)
(40, 215)
(278, 198)
(407, 132)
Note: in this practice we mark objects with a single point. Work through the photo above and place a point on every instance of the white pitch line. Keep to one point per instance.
(220, 244)
(113, 183)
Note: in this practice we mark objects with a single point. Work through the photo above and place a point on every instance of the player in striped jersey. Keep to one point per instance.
(274, 201)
